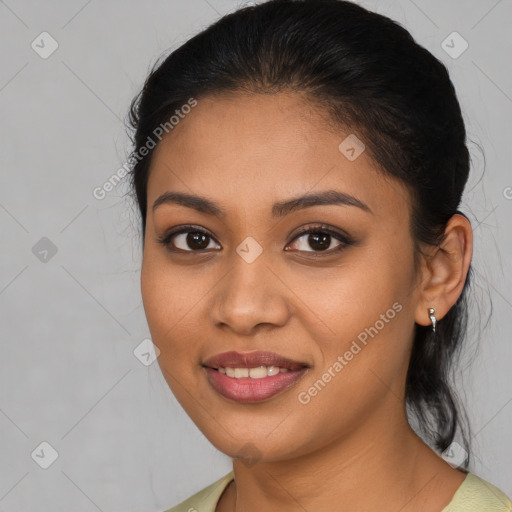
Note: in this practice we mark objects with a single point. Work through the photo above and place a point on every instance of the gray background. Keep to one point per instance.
(70, 321)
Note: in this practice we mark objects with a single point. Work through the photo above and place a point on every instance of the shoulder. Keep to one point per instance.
(206, 499)
(476, 494)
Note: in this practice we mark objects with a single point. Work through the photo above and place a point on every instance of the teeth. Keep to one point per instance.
(259, 372)
(241, 372)
(272, 370)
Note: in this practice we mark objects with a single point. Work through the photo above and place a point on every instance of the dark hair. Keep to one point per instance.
(371, 77)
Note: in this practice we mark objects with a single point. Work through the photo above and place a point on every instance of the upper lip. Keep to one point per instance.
(251, 360)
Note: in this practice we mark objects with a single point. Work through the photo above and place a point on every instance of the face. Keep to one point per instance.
(327, 287)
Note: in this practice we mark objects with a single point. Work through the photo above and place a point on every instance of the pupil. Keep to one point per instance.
(193, 238)
(317, 241)
(322, 245)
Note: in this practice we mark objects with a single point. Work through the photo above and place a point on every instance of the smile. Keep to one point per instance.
(252, 376)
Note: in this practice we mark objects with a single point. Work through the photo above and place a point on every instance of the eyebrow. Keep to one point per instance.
(279, 209)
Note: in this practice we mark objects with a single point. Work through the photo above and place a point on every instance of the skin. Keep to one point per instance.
(351, 444)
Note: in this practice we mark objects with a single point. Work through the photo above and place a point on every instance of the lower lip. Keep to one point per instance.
(247, 390)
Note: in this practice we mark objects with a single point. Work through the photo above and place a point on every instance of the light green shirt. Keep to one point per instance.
(473, 495)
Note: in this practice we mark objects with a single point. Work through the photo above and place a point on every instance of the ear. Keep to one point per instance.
(444, 270)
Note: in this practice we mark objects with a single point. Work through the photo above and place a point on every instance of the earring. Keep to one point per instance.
(431, 314)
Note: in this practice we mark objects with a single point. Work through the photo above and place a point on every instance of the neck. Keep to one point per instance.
(384, 457)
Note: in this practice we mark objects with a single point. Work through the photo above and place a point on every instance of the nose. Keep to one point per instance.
(250, 296)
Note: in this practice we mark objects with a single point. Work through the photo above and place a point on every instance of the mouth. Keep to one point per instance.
(252, 376)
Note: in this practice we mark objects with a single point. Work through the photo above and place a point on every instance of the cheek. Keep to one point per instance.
(169, 307)
(156, 294)
(367, 305)
(352, 296)
(168, 301)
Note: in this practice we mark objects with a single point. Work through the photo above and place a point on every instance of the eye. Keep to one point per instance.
(320, 239)
(187, 236)
(194, 239)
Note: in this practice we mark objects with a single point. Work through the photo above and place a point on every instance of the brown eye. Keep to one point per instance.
(187, 239)
(321, 240)
(194, 240)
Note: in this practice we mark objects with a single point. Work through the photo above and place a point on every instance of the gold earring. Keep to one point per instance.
(431, 314)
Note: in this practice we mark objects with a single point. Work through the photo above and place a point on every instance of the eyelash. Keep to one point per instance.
(319, 229)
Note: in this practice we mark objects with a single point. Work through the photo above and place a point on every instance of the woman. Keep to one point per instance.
(298, 167)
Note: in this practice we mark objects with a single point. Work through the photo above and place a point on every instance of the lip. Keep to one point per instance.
(252, 360)
(246, 389)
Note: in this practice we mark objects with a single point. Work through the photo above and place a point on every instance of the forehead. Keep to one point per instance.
(254, 149)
